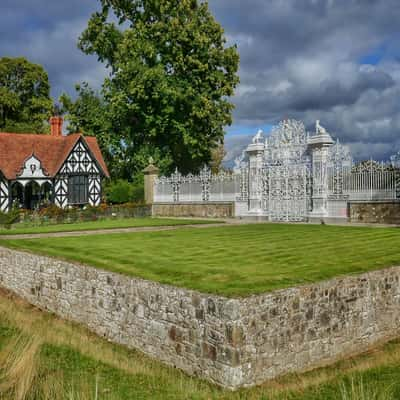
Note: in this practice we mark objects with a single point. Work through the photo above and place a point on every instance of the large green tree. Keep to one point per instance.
(25, 103)
(171, 76)
(90, 113)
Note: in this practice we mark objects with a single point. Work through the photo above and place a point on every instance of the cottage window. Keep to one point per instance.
(78, 189)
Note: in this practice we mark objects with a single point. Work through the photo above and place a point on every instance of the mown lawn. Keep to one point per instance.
(233, 260)
(101, 224)
(43, 358)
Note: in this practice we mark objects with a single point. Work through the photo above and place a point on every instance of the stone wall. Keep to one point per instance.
(177, 326)
(209, 210)
(231, 342)
(385, 212)
(300, 328)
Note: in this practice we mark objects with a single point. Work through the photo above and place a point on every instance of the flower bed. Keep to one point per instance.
(55, 215)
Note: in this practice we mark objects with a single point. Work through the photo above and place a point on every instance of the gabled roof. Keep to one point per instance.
(52, 151)
(91, 141)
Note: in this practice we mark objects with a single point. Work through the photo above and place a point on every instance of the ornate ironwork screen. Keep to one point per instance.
(287, 173)
(290, 176)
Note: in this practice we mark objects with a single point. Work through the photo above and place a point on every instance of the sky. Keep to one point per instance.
(333, 60)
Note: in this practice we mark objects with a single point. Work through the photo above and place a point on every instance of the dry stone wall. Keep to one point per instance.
(381, 212)
(300, 328)
(231, 342)
(179, 327)
(209, 210)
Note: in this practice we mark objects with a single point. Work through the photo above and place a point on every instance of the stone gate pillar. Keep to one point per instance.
(255, 151)
(319, 145)
(150, 175)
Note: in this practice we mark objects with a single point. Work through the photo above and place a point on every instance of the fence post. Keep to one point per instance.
(150, 175)
(255, 152)
(319, 145)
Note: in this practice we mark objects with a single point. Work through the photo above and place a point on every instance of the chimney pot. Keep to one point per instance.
(56, 124)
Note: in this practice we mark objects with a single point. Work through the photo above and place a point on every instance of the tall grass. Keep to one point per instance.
(18, 366)
(21, 378)
(359, 390)
(58, 388)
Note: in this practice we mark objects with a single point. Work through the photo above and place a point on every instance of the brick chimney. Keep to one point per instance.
(56, 124)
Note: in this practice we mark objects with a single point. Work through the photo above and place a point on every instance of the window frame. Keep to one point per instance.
(78, 196)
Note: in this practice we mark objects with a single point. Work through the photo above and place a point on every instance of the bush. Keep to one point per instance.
(91, 213)
(118, 192)
(7, 219)
(52, 212)
(122, 191)
(137, 192)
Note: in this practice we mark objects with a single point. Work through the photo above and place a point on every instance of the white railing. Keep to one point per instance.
(377, 185)
(190, 189)
(163, 191)
(371, 182)
(222, 187)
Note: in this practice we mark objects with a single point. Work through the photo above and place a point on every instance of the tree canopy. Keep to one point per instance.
(25, 103)
(171, 76)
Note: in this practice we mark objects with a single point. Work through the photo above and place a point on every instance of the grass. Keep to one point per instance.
(43, 358)
(233, 260)
(100, 224)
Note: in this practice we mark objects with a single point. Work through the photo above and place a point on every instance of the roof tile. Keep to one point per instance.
(52, 151)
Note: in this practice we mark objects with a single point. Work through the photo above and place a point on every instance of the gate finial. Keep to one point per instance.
(319, 129)
(258, 137)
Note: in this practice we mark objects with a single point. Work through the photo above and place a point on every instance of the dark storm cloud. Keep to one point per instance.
(305, 59)
(302, 96)
(46, 32)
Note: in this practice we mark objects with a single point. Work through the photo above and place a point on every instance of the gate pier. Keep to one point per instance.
(255, 152)
(319, 147)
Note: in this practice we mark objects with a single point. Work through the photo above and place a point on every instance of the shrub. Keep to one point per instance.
(7, 219)
(91, 213)
(52, 212)
(137, 193)
(122, 191)
(118, 192)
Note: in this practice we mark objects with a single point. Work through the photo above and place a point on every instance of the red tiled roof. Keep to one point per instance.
(91, 141)
(52, 151)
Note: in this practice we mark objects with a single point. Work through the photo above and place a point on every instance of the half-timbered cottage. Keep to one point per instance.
(64, 170)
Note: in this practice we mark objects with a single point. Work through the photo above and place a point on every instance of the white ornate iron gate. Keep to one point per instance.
(287, 173)
(287, 194)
